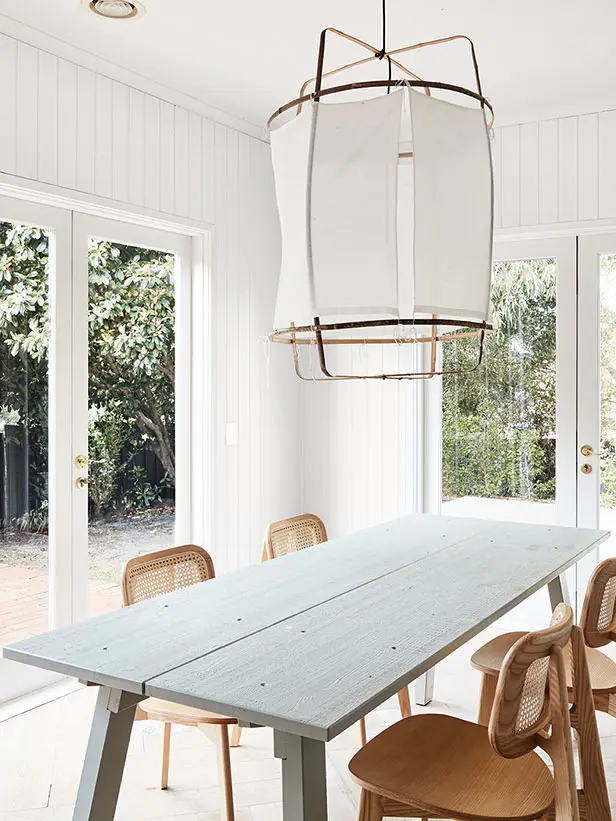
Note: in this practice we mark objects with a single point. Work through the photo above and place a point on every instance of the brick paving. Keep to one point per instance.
(24, 603)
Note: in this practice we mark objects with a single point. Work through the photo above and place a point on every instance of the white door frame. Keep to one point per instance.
(17, 679)
(562, 249)
(49, 207)
(590, 248)
(84, 227)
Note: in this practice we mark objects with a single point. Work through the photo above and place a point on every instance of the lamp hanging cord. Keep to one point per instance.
(383, 52)
(380, 54)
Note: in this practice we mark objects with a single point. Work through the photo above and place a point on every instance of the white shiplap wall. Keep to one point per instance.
(68, 126)
(360, 447)
(555, 171)
(358, 437)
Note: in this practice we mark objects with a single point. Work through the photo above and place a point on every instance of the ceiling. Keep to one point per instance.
(538, 58)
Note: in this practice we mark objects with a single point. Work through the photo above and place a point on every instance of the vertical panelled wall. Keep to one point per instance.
(65, 125)
(361, 446)
(555, 171)
(360, 438)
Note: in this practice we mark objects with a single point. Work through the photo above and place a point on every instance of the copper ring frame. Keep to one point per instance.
(289, 335)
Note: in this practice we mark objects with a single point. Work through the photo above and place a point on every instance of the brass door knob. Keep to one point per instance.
(586, 468)
(81, 481)
(586, 450)
(81, 461)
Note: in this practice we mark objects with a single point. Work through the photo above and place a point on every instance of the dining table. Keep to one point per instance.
(306, 644)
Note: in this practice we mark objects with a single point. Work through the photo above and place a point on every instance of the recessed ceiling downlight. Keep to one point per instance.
(116, 9)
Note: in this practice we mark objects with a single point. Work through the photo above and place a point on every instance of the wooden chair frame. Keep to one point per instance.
(513, 731)
(593, 796)
(213, 726)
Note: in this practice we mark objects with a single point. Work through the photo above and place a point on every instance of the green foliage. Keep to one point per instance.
(34, 521)
(132, 340)
(142, 494)
(107, 433)
(130, 353)
(499, 421)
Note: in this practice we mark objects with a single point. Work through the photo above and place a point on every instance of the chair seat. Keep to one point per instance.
(159, 710)
(446, 766)
(489, 659)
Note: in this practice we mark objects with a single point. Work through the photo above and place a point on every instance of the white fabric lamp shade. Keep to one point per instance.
(367, 236)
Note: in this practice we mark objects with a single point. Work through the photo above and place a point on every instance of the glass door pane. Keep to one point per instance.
(131, 437)
(131, 410)
(607, 403)
(501, 423)
(596, 451)
(35, 491)
(24, 464)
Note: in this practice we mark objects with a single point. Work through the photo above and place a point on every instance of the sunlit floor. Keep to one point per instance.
(41, 753)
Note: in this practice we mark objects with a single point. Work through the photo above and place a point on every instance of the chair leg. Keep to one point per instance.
(227, 812)
(219, 734)
(370, 807)
(362, 732)
(236, 735)
(164, 778)
(486, 699)
(404, 700)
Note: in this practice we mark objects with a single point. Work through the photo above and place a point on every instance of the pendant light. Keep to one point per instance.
(385, 197)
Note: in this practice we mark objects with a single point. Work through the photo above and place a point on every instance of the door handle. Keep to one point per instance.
(586, 450)
(81, 481)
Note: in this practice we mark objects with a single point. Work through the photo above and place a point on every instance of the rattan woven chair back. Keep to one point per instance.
(164, 571)
(532, 690)
(598, 619)
(295, 533)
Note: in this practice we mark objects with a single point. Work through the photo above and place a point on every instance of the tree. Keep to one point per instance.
(132, 339)
(499, 421)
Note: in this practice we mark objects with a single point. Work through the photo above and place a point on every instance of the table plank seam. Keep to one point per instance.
(311, 607)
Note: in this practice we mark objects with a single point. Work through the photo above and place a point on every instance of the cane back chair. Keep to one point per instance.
(154, 574)
(598, 623)
(437, 766)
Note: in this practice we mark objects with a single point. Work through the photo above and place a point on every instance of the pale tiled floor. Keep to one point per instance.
(41, 753)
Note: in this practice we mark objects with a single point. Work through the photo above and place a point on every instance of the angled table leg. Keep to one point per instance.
(304, 784)
(424, 688)
(105, 755)
(559, 591)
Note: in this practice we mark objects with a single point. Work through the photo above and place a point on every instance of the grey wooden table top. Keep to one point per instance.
(311, 642)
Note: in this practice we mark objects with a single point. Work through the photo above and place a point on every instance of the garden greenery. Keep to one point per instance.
(131, 360)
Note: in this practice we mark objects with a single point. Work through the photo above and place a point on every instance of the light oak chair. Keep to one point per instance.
(598, 623)
(437, 766)
(145, 577)
(297, 533)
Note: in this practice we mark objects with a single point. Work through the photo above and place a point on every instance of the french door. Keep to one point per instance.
(596, 372)
(95, 413)
(531, 436)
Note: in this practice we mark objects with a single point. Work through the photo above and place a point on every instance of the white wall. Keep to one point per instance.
(359, 437)
(555, 171)
(360, 446)
(68, 126)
